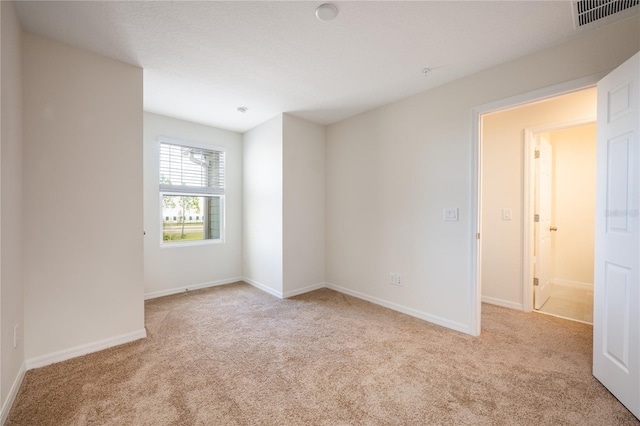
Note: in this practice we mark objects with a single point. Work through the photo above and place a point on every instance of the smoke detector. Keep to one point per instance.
(326, 12)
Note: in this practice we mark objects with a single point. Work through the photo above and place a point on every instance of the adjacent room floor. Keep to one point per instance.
(570, 302)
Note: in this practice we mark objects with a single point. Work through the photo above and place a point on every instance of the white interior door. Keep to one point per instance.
(542, 288)
(616, 321)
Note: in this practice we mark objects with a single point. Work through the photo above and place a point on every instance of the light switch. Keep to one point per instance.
(450, 214)
(506, 214)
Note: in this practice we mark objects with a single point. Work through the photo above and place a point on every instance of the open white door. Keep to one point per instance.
(616, 321)
(542, 281)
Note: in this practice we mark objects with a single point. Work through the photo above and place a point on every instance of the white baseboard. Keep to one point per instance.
(13, 392)
(504, 303)
(77, 351)
(263, 287)
(303, 290)
(573, 284)
(281, 295)
(177, 290)
(463, 328)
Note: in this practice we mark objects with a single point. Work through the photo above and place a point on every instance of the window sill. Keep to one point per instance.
(191, 243)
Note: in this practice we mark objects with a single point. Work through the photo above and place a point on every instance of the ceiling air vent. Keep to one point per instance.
(589, 11)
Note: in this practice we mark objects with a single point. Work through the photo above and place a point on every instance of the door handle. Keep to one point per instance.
(553, 228)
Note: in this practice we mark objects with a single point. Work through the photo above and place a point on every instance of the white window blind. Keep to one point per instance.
(191, 170)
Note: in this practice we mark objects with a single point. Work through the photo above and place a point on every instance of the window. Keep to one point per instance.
(191, 184)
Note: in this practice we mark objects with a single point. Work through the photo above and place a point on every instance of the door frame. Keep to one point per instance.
(476, 175)
(528, 208)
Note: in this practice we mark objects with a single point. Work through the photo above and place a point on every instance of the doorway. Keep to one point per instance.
(563, 160)
(616, 297)
(508, 230)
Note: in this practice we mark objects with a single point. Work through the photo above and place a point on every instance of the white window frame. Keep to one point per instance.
(189, 144)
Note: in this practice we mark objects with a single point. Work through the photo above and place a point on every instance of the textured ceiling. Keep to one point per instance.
(203, 60)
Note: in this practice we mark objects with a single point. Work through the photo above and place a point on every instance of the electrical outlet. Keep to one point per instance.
(399, 279)
(15, 336)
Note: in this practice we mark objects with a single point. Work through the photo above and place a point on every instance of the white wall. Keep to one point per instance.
(11, 265)
(169, 269)
(303, 205)
(503, 187)
(574, 178)
(262, 206)
(392, 170)
(82, 199)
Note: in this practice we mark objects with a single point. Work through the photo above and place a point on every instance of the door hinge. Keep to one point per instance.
(478, 236)
(536, 282)
(536, 218)
(536, 153)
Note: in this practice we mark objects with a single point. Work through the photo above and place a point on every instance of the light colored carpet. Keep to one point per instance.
(233, 355)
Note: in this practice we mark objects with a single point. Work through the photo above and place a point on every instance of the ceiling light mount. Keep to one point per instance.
(242, 109)
(326, 12)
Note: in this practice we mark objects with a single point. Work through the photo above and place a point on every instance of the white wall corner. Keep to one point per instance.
(501, 302)
(169, 292)
(13, 392)
(59, 356)
(262, 206)
(305, 289)
(456, 326)
(263, 287)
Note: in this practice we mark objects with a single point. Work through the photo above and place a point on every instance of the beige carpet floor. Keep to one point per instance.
(233, 355)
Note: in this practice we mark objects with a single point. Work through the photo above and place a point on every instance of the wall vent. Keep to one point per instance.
(586, 12)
